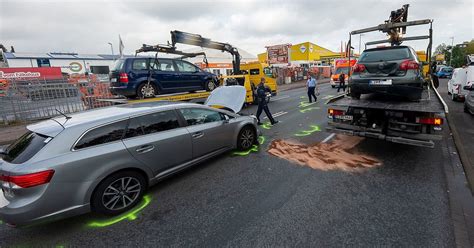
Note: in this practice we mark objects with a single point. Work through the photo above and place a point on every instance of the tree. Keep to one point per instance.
(459, 57)
(470, 47)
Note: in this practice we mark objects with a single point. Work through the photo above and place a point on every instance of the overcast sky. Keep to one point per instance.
(87, 26)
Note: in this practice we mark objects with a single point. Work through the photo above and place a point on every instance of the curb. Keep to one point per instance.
(462, 154)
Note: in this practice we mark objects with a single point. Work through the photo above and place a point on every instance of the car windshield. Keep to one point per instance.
(118, 65)
(341, 70)
(385, 55)
(25, 147)
(447, 69)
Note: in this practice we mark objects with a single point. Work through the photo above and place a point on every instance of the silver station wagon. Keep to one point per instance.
(103, 160)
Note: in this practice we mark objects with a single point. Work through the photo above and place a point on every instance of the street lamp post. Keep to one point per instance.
(451, 56)
(111, 48)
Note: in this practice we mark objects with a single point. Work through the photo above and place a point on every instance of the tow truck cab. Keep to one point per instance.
(256, 71)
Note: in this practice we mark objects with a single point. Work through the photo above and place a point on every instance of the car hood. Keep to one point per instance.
(231, 97)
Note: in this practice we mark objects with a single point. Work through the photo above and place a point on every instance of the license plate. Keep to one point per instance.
(381, 82)
(344, 117)
(113, 80)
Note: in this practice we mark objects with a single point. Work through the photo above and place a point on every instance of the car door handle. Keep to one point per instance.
(198, 135)
(145, 149)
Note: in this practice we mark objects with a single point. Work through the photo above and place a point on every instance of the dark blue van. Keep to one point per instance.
(130, 77)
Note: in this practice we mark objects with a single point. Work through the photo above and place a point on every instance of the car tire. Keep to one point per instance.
(110, 197)
(333, 86)
(146, 90)
(210, 85)
(247, 138)
(355, 95)
(454, 97)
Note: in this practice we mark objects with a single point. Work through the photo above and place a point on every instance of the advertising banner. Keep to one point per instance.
(30, 73)
(278, 54)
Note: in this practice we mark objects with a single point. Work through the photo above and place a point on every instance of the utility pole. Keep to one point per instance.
(452, 46)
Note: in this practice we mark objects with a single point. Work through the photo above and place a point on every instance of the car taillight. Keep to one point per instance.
(430, 121)
(358, 68)
(335, 112)
(123, 77)
(29, 180)
(409, 65)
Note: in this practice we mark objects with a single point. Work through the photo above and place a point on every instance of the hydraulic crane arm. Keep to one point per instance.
(198, 40)
(169, 50)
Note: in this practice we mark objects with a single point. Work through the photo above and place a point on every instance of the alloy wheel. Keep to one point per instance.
(246, 138)
(211, 86)
(148, 90)
(121, 193)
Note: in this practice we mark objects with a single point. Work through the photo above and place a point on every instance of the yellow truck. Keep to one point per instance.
(251, 74)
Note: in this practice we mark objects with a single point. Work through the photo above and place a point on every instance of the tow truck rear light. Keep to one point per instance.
(29, 180)
(409, 65)
(335, 112)
(123, 77)
(358, 68)
(430, 121)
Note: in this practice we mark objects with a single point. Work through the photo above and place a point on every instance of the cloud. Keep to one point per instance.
(87, 26)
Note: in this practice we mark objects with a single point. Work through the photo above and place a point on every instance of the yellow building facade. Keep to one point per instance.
(306, 52)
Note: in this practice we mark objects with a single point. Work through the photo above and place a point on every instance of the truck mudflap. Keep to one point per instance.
(380, 136)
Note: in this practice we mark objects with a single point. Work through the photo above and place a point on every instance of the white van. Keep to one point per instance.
(456, 84)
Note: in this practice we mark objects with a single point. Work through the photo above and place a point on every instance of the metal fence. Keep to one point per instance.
(41, 99)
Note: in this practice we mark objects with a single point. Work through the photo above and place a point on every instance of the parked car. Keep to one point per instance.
(469, 101)
(445, 72)
(456, 84)
(388, 70)
(104, 159)
(130, 77)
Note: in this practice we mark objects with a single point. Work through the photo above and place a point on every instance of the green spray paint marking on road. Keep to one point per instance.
(314, 128)
(308, 109)
(267, 125)
(245, 153)
(130, 215)
(305, 104)
(254, 148)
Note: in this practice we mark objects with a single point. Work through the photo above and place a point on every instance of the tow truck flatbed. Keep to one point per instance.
(429, 102)
(389, 118)
(198, 97)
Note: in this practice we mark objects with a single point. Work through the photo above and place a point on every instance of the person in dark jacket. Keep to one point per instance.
(262, 102)
(342, 82)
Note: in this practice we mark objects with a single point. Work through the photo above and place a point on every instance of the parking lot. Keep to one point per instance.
(271, 197)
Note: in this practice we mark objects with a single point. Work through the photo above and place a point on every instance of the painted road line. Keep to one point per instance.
(329, 138)
(279, 98)
(277, 114)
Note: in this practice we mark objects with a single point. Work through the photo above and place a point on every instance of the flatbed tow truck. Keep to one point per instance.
(390, 118)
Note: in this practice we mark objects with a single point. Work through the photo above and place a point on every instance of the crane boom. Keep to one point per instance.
(198, 40)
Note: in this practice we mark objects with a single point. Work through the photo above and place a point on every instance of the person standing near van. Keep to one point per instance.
(311, 86)
(342, 82)
(262, 102)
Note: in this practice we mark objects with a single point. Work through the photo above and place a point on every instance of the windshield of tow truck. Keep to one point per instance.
(268, 71)
(341, 70)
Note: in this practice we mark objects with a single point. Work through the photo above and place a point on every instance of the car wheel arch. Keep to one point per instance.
(93, 187)
(245, 125)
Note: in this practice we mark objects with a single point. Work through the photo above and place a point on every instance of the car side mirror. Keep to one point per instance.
(467, 87)
(226, 120)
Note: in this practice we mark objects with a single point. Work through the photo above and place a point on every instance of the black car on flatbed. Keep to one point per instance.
(393, 70)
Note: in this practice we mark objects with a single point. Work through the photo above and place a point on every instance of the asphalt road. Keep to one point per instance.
(262, 200)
